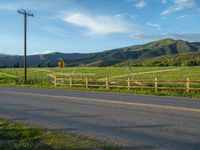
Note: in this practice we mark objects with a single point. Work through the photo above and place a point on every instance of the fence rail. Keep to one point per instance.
(156, 84)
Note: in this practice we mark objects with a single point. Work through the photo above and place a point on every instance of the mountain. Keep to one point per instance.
(138, 52)
(38, 60)
(183, 59)
(120, 57)
(196, 44)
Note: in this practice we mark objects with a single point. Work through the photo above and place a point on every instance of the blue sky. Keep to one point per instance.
(86, 26)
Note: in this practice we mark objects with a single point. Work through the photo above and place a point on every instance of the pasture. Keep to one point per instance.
(40, 76)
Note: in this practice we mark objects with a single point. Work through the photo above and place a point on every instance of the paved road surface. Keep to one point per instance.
(131, 121)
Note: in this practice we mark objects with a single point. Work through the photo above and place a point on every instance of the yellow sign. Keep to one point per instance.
(61, 64)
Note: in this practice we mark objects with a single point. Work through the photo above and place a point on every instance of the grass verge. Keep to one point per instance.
(176, 93)
(15, 136)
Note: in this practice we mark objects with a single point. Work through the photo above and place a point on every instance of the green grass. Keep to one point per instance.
(38, 77)
(14, 136)
(101, 72)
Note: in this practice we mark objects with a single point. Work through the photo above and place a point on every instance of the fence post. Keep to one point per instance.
(70, 81)
(156, 84)
(55, 81)
(107, 83)
(188, 84)
(129, 84)
(86, 82)
(61, 79)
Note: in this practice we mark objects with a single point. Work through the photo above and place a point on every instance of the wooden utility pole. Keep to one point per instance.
(25, 13)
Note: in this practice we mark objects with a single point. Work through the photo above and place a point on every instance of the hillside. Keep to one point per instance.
(184, 59)
(137, 54)
(142, 52)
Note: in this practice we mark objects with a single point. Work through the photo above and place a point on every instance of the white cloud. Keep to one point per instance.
(56, 31)
(164, 1)
(97, 25)
(183, 36)
(140, 4)
(178, 6)
(121, 15)
(187, 16)
(35, 5)
(1, 52)
(8, 6)
(182, 17)
(41, 53)
(154, 25)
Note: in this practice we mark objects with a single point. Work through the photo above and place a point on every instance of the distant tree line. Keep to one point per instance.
(165, 63)
(17, 65)
(20, 65)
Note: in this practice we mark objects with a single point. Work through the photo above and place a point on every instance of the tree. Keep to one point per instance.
(16, 65)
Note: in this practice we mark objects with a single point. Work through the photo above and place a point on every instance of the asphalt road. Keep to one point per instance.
(130, 121)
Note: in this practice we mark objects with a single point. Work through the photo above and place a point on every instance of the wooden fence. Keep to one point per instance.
(156, 84)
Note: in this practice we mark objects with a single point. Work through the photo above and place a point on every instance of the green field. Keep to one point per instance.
(40, 76)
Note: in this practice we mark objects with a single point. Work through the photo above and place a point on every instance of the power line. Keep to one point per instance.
(25, 13)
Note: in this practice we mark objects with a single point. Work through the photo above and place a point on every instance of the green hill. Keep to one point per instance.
(133, 55)
(137, 52)
(184, 59)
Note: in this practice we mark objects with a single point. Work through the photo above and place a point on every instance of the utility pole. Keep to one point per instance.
(25, 13)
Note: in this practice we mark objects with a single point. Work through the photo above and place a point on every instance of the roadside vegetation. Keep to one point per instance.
(14, 136)
(39, 77)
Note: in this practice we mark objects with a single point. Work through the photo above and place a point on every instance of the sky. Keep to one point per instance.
(87, 26)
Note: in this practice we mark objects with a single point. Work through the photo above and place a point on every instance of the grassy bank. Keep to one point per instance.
(14, 136)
